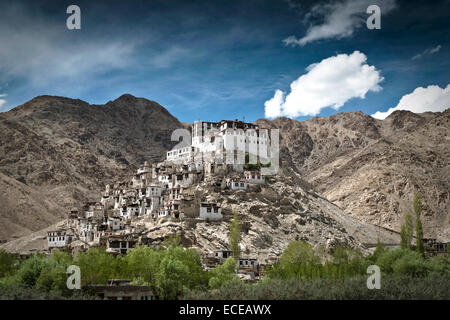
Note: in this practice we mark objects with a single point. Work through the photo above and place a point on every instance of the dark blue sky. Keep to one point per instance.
(213, 60)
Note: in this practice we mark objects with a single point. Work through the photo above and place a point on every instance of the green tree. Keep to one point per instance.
(298, 252)
(46, 274)
(409, 229)
(223, 275)
(191, 259)
(403, 237)
(8, 263)
(143, 263)
(406, 232)
(411, 263)
(387, 259)
(297, 261)
(97, 266)
(62, 258)
(170, 277)
(379, 250)
(53, 277)
(419, 229)
(235, 236)
(30, 270)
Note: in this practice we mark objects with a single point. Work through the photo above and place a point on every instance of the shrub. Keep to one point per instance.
(353, 288)
(387, 259)
(411, 263)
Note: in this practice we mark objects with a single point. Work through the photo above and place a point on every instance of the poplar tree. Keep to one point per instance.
(406, 232)
(409, 229)
(403, 240)
(419, 229)
(235, 236)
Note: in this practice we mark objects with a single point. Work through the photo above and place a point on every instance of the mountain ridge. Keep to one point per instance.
(371, 168)
(68, 149)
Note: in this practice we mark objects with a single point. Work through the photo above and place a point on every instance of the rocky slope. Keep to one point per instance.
(372, 168)
(57, 153)
(272, 215)
(279, 212)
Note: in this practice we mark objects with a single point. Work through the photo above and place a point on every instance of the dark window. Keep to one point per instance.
(114, 244)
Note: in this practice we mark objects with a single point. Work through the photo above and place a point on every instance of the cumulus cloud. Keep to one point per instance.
(432, 98)
(336, 20)
(329, 83)
(427, 52)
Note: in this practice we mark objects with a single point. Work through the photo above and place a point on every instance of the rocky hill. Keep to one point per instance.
(272, 215)
(372, 168)
(57, 153)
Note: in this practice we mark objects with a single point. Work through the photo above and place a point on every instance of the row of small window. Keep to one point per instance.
(246, 262)
(240, 133)
(208, 209)
(184, 150)
(54, 234)
(57, 239)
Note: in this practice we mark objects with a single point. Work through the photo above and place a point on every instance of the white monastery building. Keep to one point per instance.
(228, 140)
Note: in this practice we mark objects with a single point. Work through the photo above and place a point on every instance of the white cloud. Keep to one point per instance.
(329, 83)
(273, 106)
(434, 50)
(427, 52)
(45, 61)
(2, 101)
(338, 20)
(171, 56)
(432, 98)
(45, 54)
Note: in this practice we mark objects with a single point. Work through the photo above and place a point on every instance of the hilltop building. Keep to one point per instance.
(223, 145)
(167, 191)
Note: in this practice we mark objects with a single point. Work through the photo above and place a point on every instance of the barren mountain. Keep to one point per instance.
(372, 168)
(57, 153)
